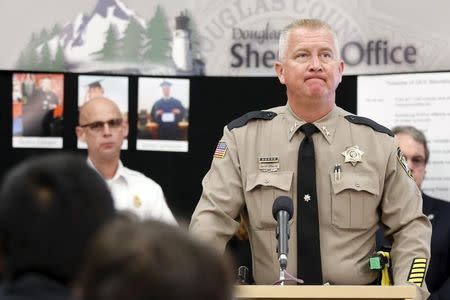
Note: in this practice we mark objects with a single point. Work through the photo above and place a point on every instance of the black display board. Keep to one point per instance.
(214, 102)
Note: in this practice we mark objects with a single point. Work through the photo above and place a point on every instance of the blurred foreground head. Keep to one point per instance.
(49, 208)
(152, 260)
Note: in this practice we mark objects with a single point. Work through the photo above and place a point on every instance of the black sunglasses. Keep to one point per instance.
(99, 125)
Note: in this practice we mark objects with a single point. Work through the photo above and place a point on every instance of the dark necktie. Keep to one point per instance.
(308, 239)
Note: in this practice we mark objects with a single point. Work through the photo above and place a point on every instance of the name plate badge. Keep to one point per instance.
(269, 164)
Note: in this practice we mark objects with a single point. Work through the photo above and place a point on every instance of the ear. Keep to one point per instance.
(280, 71)
(80, 134)
(341, 69)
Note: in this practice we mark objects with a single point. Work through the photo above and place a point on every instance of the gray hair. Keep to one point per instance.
(304, 23)
(416, 134)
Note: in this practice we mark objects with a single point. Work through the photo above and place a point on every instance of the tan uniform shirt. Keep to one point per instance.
(350, 207)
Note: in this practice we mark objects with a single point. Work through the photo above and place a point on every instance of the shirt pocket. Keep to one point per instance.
(261, 191)
(354, 201)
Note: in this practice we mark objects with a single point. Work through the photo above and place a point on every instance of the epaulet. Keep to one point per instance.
(368, 122)
(253, 115)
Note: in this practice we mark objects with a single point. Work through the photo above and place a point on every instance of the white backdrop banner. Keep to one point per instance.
(215, 37)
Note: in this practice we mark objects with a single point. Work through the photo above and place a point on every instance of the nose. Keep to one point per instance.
(106, 129)
(410, 165)
(315, 64)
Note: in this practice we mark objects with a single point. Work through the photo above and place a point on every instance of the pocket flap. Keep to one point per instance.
(355, 182)
(281, 180)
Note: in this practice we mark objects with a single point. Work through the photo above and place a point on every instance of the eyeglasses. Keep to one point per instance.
(417, 161)
(98, 126)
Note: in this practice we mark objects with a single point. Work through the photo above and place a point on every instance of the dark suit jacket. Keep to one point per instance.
(34, 287)
(438, 275)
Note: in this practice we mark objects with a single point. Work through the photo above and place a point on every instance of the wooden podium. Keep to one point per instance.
(323, 292)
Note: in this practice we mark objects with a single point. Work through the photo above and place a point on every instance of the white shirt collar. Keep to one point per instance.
(120, 172)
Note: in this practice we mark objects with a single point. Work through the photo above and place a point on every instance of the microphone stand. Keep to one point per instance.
(283, 264)
(282, 211)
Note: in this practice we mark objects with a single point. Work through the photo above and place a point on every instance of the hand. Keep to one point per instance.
(159, 112)
(176, 111)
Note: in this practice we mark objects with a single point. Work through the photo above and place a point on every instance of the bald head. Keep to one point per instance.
(102, 128)
(90, 109)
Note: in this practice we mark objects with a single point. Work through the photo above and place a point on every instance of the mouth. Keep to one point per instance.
(107, 145)
(315, 78)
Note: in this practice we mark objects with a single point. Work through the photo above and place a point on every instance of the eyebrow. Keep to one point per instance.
(99, 121)
(307, 49)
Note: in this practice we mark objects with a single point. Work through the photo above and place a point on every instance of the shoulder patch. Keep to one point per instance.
(253, 115)
(368, 122)
(403, 162)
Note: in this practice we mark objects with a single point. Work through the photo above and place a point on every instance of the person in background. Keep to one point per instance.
(344, 172)
(157, 261)
(168, 112)
(50, 207)
(103, 129)
(94, 90)
(413, 144)
(39, 103)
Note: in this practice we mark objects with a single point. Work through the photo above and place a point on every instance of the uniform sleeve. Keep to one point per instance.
(153, 111)
(401, 212)
(166, 213)
(222, 198)
(182, 111)
(155, 206)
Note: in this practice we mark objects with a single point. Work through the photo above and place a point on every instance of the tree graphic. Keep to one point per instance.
(20, 63)
(55, 30)
(46, 58)
(158, 36)
(43, 36)
(59, 61)
(110, 48)
(28, 59)
(132, 42)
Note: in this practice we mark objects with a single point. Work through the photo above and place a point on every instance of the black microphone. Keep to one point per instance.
(282, 211)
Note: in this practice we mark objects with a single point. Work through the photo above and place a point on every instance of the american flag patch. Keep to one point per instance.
(221, 150)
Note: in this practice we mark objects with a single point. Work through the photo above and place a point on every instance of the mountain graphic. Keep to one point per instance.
(114, 39)
(86, 34)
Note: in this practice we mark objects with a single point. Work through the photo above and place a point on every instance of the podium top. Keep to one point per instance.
(354, 292)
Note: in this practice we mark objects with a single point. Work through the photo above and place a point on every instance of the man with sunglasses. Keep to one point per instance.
(413, 144)
(103, 129)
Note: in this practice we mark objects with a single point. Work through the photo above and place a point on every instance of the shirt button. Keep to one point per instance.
(357, 185)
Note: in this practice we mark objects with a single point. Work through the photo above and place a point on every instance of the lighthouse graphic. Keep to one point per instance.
(181, 44)
(182, 52)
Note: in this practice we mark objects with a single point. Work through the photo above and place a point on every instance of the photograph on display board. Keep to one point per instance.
(37, 110)
(163, 114)
(114, 88)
